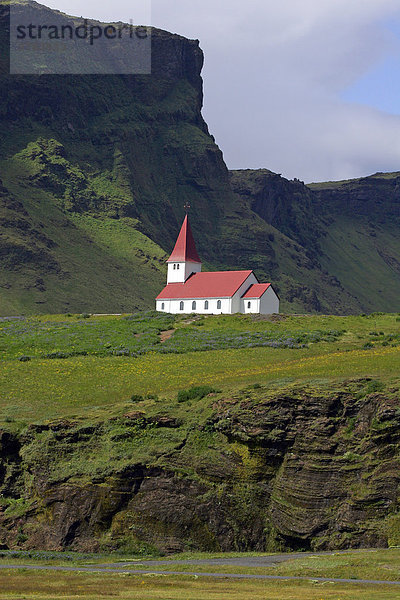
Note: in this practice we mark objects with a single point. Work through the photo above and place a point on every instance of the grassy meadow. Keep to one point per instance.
(83, 368)
(381, 565)
(81, 586)
(55, 366)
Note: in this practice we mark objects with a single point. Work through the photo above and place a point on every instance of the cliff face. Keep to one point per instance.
(126, 149)
(376, 197)
(120, 126)
(349, 230)
(102, 167)
(360, 243)
(312, 466)
(287, 205)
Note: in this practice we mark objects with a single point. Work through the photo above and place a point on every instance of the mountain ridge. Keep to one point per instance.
(101, 167)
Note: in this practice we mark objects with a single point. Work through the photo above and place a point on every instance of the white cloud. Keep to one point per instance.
(273, 76)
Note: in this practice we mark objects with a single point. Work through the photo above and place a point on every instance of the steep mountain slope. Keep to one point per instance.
(361, 243)
(350, 229)
(95, 172)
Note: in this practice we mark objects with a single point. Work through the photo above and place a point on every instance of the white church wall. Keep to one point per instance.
(163, 306)
(174, 306)
(266, 305)
(251, 306)
(269, 304)
(178, 272)
(237, 302)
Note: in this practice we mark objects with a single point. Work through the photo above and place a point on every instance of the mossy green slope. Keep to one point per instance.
(348, 229)
(365, 260)
(60, 261)
(95, 173)
(129, 433)
(361, 243)
(261, 468)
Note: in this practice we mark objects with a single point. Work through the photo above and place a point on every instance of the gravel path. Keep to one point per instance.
(240, 561)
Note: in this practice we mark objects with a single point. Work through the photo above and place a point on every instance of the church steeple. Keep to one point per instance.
(185, 247)
(184, 259)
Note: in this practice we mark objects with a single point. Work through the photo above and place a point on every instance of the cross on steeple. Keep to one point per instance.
(187, 207)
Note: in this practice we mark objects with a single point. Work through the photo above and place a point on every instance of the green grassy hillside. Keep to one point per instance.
(51, 365)
(149, 433)
(360, 245)
(365, 260)
(57, 260)
(349, 230)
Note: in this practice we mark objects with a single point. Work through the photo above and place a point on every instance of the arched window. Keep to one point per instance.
(219, 304)
(194, 305)
(181, 306)
(249, 305)
(206, 305)
(174, 267)
(162, 306)
(178, 266)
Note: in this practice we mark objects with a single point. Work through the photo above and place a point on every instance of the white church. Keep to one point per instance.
(188, 290)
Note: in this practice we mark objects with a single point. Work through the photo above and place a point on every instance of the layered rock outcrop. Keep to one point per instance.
(301, 467)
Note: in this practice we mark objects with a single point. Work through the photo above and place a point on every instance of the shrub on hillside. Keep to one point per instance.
(371, 387)
(374, 386)
(195, 393)
(137, 398)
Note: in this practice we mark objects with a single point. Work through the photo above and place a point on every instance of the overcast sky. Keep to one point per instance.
(306, 88)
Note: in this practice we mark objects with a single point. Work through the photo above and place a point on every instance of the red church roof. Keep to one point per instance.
(185, 248)
(220, 284)
(257, 290)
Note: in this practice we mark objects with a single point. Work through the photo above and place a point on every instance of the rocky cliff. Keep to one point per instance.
(349, 229)
(101, 167)
(266, 468)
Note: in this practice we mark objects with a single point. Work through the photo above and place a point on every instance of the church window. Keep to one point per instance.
(219, 304)
(249, 305)
(174, 267)
(178, 266)
(206, 305)
(162, 306)
(181, 306)
(194, 305)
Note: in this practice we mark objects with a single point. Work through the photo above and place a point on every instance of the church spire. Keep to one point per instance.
(185, 247)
